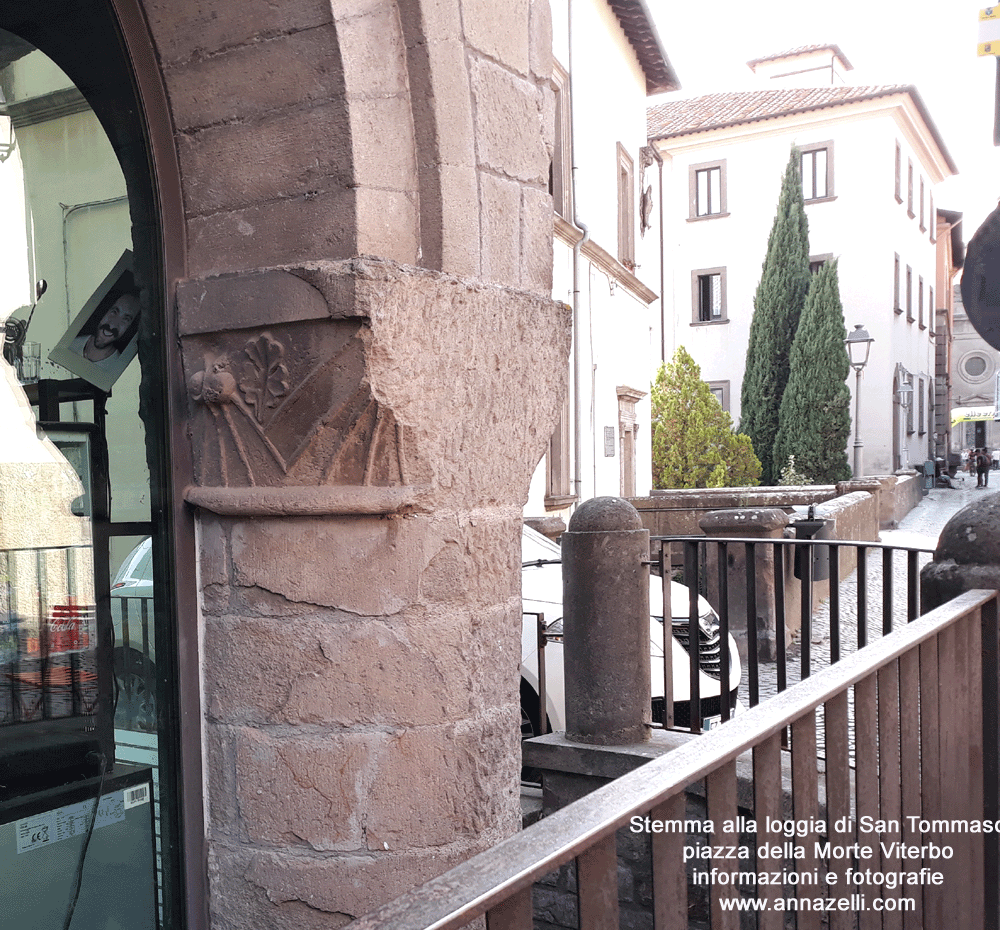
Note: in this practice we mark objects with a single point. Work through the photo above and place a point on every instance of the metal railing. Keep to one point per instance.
(708, 569)
(925, 744)
(135, 669)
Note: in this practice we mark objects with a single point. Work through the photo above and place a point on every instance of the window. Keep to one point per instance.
(707, 190)
(626, 210)
(920, 302)
(923, 221)
(558, 491)
(909, 187)
(817, 171)
(932, 218)
(922, 401)
(818, 261)
(899, 173)
(709, 295)
(909, 293)
(931, 309)
(720, 389)
(628, 426)
(896, 305)
(562, 150)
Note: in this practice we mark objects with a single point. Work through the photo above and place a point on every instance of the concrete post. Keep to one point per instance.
(606, 622)
(967, 554)
(759, 523)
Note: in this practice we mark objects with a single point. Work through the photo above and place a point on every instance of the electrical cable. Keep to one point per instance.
(86, 842)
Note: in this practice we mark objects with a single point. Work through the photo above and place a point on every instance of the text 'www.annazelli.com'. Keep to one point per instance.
(854, 902)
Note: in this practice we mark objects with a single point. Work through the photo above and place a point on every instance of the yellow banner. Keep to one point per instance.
(991, 12)
(988, 48)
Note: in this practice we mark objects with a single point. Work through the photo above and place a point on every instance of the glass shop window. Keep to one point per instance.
(82, 641)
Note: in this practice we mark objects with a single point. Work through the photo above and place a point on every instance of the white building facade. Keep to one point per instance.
(871, 158)
(606, 199)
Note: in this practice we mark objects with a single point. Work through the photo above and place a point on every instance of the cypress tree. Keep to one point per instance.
(815, 420)
(694, 445)
(777, 305)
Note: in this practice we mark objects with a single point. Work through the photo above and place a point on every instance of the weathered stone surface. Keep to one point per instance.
(372, 47)
(501, 240)
(335, 670)
(499, 30)
(449, 85)
(540, 48)
(379, 160)
(181, 32)
(301, 67)
(276, 157)
(972, 536)
(305, 790)
(327, 556)
(286, 231)
(388, 224)
(259, 299)
(536, 241)
(468, 797)
(508, 124)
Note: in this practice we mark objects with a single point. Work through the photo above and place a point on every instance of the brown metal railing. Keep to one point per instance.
(925, 748)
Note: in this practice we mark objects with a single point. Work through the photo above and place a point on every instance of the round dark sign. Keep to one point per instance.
(981, 280)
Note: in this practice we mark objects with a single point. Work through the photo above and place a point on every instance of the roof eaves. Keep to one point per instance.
(888, 91)
(640, 30)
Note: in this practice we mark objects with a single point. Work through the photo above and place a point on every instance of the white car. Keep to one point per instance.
(541, 592)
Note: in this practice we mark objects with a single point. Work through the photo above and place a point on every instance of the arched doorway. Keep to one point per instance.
(98, 220)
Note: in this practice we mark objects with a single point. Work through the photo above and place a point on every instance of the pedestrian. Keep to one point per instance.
(983, 462)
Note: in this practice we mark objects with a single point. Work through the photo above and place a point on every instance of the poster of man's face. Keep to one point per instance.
(101, 341)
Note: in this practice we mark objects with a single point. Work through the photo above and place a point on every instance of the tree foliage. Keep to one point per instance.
(815, 419)
(777, 304)
(694, 445)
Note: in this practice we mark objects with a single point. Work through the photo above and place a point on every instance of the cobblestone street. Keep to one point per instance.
(918, 529)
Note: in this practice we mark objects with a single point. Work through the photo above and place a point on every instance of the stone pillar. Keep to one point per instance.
(967, 554)
(765, 523)
(606, 618)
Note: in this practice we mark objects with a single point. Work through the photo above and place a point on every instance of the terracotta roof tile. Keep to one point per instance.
(674, 118)
(804, 50)
(713, 111)
(643, 37)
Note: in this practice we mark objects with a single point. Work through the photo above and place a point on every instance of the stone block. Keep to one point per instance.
(349, 885)
(223, 810)
(536, 240)
(501, 240)
(327, 556)
(452, 102)
(183, 31)
(303, 67)
(285, 231)
(460, 223)
(304, 790)
(380, 160)
(469, 796)
(540, 39)
(283, 154)
(499, 30)
(213, 553)
(387, 224)
(508, 124)
(373, 51)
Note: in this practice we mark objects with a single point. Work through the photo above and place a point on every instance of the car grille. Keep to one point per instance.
(710, 707)
(709, 648)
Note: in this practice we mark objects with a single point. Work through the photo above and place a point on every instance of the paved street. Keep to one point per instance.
(919, 529)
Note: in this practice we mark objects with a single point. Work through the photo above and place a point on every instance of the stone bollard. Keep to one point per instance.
(606, 622)
(759, 523)
(967, 554)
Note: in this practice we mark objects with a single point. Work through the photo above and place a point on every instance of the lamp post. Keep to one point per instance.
(859, 344)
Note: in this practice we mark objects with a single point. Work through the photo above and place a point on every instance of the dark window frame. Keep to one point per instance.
(697, 292)
(808, 153)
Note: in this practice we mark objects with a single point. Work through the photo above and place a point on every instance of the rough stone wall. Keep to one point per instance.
(363, 429)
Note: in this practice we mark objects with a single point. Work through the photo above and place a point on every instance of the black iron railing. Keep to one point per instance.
(844, 573)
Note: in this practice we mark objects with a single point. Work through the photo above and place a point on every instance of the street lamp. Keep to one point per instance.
(859, 344)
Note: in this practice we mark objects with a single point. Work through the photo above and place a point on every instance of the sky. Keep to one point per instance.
(928, 43)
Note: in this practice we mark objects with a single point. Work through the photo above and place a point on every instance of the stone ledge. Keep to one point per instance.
(308, 501)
